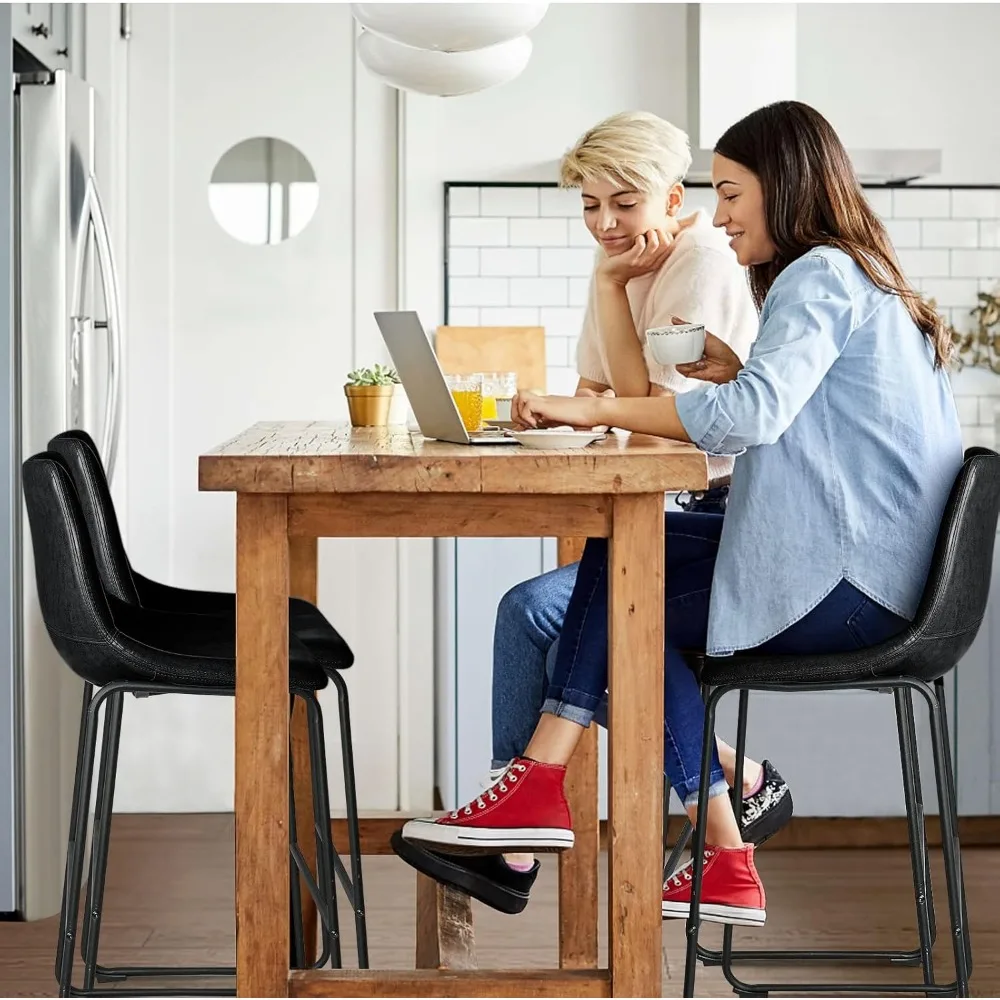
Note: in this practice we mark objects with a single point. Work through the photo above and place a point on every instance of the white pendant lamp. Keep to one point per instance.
(449, 27)
(444, 74)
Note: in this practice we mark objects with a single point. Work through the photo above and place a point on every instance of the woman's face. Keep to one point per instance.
(741, 211)
(616, 213)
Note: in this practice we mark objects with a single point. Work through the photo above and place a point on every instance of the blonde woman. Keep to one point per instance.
(653, 262)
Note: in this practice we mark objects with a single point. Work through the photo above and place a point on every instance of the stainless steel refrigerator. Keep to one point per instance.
(64, 372)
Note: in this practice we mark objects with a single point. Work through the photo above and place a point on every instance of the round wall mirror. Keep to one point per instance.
(263, 190)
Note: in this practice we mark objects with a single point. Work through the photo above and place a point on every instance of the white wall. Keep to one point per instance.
(913, 75)
(221, 334)
(908, 75)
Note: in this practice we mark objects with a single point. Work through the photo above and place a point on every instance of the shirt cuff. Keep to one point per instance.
(706, 423)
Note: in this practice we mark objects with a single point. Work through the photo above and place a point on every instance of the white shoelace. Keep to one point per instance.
(687, 872)
(499, 783)
(494, 775)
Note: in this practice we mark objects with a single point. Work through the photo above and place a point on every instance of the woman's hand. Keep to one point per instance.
(719, 363)
(531, 411)
(647, 253)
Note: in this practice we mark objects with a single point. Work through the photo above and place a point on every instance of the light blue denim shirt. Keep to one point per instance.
(848, 443)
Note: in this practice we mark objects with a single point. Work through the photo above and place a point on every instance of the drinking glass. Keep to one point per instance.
(467, 391)
(499, 388)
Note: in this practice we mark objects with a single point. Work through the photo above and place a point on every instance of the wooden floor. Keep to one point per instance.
(170, 887)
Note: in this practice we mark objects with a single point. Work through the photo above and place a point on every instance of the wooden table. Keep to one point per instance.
(296, 482)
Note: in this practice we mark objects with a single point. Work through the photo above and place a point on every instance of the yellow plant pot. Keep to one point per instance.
(369, 404)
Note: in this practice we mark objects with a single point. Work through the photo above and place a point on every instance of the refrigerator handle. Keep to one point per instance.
(112, 303)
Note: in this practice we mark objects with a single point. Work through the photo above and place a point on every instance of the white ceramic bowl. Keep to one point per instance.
(550, 438)
(679, 344)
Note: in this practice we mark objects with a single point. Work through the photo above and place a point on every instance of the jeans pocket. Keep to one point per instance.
(871, 624)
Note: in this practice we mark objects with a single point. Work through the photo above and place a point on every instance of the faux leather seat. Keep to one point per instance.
(121, 580)
(103, 639)
(947, 620)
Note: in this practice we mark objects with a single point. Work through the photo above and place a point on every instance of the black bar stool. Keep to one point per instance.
(120, 648)
(916, 661)
(919, 859)
(306, 623)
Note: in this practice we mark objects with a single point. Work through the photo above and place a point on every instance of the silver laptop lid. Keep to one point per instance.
(421, 375)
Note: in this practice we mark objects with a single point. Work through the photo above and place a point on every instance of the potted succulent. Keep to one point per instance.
(369, 394)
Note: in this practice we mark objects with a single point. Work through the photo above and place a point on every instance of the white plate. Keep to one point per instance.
(556, 438)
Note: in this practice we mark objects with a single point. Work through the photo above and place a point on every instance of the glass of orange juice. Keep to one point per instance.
(467, 391)
(499, 388)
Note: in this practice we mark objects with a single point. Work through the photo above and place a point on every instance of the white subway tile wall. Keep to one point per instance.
(509, 202)
(522, 256)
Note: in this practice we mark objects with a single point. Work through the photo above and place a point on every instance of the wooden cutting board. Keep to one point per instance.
(521, 349)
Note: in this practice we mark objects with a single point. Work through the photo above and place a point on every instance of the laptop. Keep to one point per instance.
(419, 371)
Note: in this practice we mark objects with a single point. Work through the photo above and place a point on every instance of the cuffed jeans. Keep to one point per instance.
(526, 640)
(845, 620)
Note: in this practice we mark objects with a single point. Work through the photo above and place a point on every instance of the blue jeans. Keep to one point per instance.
(526, 640)
(529, 619)
(846, 619)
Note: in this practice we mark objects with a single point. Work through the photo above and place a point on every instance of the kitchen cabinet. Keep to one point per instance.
(44, 30)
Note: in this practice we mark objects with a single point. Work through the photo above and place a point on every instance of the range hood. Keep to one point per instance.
(721, 90)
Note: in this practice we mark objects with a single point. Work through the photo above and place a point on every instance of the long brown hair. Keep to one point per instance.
(812, 198)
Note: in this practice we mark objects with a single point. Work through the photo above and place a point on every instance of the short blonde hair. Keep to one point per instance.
(636, 147)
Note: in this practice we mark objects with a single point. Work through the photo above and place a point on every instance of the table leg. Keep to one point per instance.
(446, 936)
(578, 917)
(302, 577)
(261, 796)
(635, 730)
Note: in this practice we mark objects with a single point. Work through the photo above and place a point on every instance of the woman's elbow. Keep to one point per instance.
(753, 436)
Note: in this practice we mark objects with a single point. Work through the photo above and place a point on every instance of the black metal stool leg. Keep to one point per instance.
(88, 693)
(698, 849)
(665, 818)
(725, 956)
(915, 822)
(77, 844)
(952, 765)
(919, 804)
(672, 863)
(912, 957)
(354, 887)
(949, 839)
(102, 835)
(736, 796)
(114, 693)
(325, 871)
(296, 929)
(321, 899)
(742, 988)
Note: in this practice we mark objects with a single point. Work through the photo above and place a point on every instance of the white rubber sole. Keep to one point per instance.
(717, 913)
(484, 840)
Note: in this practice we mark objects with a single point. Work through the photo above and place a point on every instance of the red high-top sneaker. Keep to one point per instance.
(731, 890)
(525, 810)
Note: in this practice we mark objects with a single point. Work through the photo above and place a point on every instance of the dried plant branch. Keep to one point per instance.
(980, 346)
